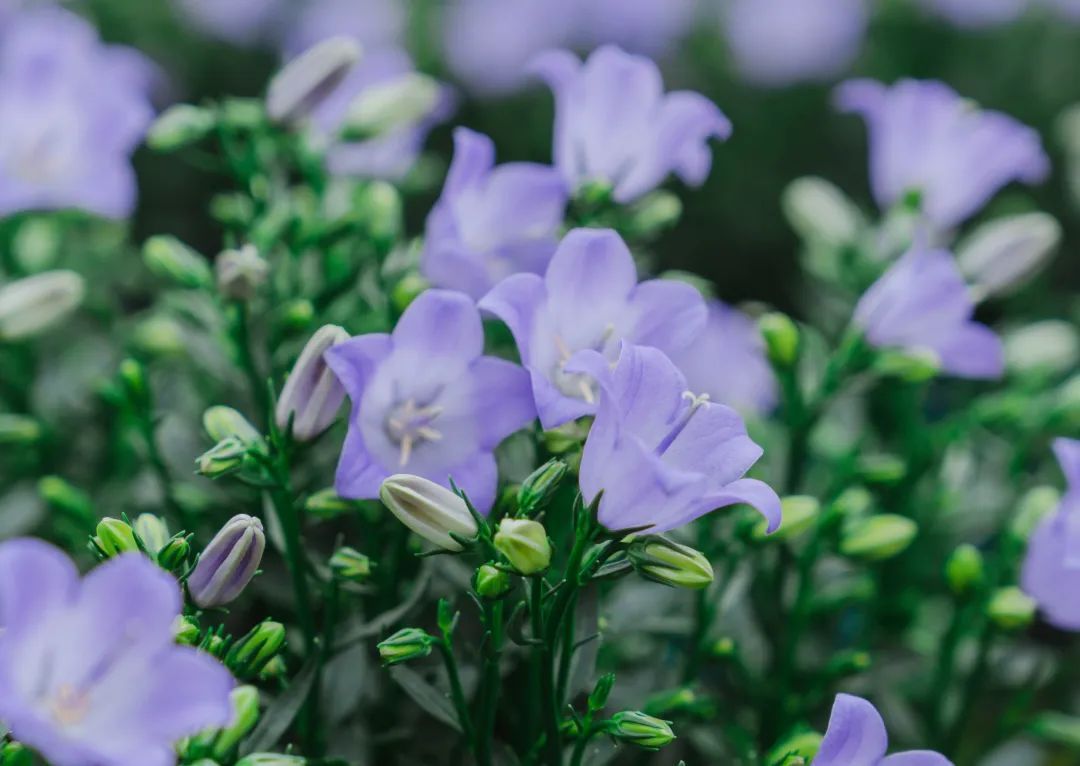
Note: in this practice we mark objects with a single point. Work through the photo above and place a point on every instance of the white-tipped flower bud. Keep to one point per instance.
(669, 563)
(1004, 254)
(312, 394)
(31, 305)
(1049, 347)
(388, 106)
(309, 78)
(428, 509)
(228, 563)
(240, 273)
(820, 212)
(878, 537)
(178, 126)
(641, 730)
(525, 544)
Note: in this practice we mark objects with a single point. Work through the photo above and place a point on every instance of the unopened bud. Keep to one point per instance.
(245, 705)
(169, 258)
(350, 564)
(820, 212)
(1035, 505)
(326, 503)
(1049, 347)
(308, 79)
(221, 422)
(1004, 254)
(797, 513)
(67, 498)
(271, 759)
(389, 106)
(179, 126)
(312, 394)
(669, 563)
(881, 468)
(173, 556)
(781, 338)
(228, 563)
(965, 569)
(541, 484)
(878, 537)
(31, 305)
(795, 749)
(910, 366)
(1011, 609)
(296, 315)
(407, 290)
(114, 537)
(240, 273)
(491, 582)
(428, 509)
(407, 644)
(18, 430)
(600, 693)
(249, 655)
(224, 458)
(379, 208)
(15, 754)
(641, 730)
(186, 631)
(152, 531)
(160, 336)
(525, 545)
(653, 214)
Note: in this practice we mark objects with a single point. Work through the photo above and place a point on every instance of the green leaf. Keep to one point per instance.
(426, 696)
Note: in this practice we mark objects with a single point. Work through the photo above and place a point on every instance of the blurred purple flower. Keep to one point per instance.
(921, 304)
(242, 22)
(89, 672)
(1051, 573)
(426, 402)
(614, 123)
(375, 24)
(650, 27)
(491, 222)
(926, 139)
(856, 737)
(727, 361)
(973, 14)
(779, 42)
(662, 456)
(72, 111)
(589, 299)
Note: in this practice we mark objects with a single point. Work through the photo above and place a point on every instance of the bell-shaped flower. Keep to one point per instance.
(922, 305)
(927, 140)
(589, 298)
(491, 222)
(660, 455)
(89, 671)
(1051, 572)
(856, 736)
(615, 125)
(427, 402)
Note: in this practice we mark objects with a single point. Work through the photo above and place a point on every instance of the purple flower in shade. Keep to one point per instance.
(491, 222)
(779, 42)
(661, 456)
(242, 22)
(1051, 573)
(426, 402)
(89, 672)
(375, 24)
(589, 299)
(856, 737)
(650, 27)
(971, 14)
(727, 361)
(926, 139)
(614, 123)
(72, 110)
(922, 305)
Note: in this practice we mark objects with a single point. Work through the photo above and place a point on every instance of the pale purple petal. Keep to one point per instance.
(757, 494)
(358, 475)
(916, 758)
(477, 477)
(666, 314)
(440, 326)
(592, 272)
(517, 301)
(35, 578)
(1067, 452)
(855, 736)
(355, 360)
(972, 351)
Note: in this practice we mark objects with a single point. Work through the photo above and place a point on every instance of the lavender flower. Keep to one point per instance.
(779, 42)
(1051, 573)
(662, 456)
(650, 27)
(375, 24)
(922, 305)
(491, 222)
(426, 402)
(89, 672)
(589, 298)
(856, 737)
(727, 361)
(973, 14)
(614, 123)
(927, 140)
(242, 22)
(72, 110)
(228, 563)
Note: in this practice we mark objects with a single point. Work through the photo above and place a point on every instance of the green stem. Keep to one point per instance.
(578, 756)
(289, 518)
(972, 688)
(457, 692)
(566, 653)
(943, 670)
(550, 711)
(256, 381)
(489, 699)
(161, 470)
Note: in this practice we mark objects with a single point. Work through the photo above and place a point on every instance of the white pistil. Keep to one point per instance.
(410, 424)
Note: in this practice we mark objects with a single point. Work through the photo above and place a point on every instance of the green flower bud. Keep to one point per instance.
(243, 113)
(407, 644)
(407, 289)
(275, 668)
(297, 315)
(221, 422)
(853, 503)
(179, 126)
(541, 484)
(67, 499)
(644, 731)
(881, 469)
(821, 212)
(380, 209)
(159, 336)
(169, 258)
(15, 754)
(245, 705)
(224, 458)
(965, 569)
(491, 582)
(795, 749)
(32, 305)
(1035, 505)
(350, 564)
(669, 563)
(1011, 609)
(173, 556)
(240, 273)
(680, 700)
(271, 759)
(37, 244)
(232, 210)
(600, 693)
(114, 537)
(781, 338)
(878, 537)
(525, 544)
(1046, 348)
(798, 514)
(908, 366)
(327, 504)
(391, 105)
(249, 655)
(18, 430)
(847, 662)
(152, 531)
(186, 631)
(653, 214)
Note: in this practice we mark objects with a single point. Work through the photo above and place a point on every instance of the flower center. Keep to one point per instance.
(578, 384)
(69, 705)
(696, 403)
(410, 425)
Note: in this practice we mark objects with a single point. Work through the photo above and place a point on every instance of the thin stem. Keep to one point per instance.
(578, 756)
(161, 470)
(566, 653)
(551, 709)
(289, 519)
(943, 670)
(256, 381)
(972, 687)
(457, 691)
(489, 699)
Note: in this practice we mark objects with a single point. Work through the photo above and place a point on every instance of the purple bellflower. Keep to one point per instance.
(972, 14)
(241, 22)
(661, 455)
(589, 299)
(375, 24)
(922, 305)
(491, 222)
(89, 672)
(72, 111)
(1051, 573)
(649, 27)
(426, 402)
(614, 124)
(856, 736)
(727, 361)
(927, 140)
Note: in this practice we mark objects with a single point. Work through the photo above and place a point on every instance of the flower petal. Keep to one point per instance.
(855, 736)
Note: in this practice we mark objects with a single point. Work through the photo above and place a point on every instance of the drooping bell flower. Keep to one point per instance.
(661, 455)
(89, 671)
(589, 299)
(856, 736)
(427, 402)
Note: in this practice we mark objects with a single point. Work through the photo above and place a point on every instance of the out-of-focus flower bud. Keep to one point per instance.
(114, 537)
(37, 244)
(232, 210)
(173, 556)
(132, 376)
(68, 499)
(881, 468)
(271, 759)
(525, 544)
(848, 662)
(186, 631)
(240, 273)
(228, 563)
(652, 215)
(1035, 505)
(159, 336)
(1004, 254)
(243, 113)
(1050, 347)
(221, 422)
(1011, 609)
(388, 106)
(224, 458)
(491, 582)
(797, 513)
(428, 509)
(179, 126)
(540, 485)
(250, 654)
(669, 563)
(641, 730)
(312, 394)
(152, 531)
(296, 315)
(781, 338)
(305, 81)
(908, 366)
(820, 212)
(407, 644)
(245, 705)
(31, 305)
(965, 569)
(600, 693)
(853, 502)
(169, 258)
(18, 429)
(350, 564)
(878, 537)
(407, 289)
(326, 503)
(379, 209)
(275, 668)
(795, 750)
